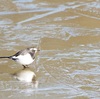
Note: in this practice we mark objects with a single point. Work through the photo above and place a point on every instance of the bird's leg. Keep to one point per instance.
(25, 66)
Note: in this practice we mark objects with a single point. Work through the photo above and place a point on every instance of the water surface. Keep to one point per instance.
(68, 34)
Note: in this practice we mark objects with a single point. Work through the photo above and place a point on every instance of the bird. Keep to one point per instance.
(26, 75)
(24, 57)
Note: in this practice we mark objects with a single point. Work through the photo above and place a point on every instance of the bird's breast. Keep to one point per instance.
(24, 59)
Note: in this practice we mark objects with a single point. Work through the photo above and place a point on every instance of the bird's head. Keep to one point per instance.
(34, 49)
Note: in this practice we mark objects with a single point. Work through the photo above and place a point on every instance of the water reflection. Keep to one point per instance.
(26, 75)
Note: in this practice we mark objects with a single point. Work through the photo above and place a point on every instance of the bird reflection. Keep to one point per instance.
(26, 75)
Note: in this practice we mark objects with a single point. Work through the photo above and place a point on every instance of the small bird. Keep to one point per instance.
(24, 57)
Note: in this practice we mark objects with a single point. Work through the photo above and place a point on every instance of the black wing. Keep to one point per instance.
(22, 52)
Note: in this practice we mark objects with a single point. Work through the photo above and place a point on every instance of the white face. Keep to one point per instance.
(35, 49)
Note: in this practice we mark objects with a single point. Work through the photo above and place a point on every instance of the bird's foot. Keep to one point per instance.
(25, 66)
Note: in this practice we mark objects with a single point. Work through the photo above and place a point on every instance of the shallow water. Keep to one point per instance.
(68, 34)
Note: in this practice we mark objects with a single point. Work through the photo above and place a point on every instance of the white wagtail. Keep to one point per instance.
(24, 57)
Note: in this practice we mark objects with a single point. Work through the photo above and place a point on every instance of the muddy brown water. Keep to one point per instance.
(68, 35)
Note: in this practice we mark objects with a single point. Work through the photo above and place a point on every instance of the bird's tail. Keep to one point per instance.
(6, 57)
